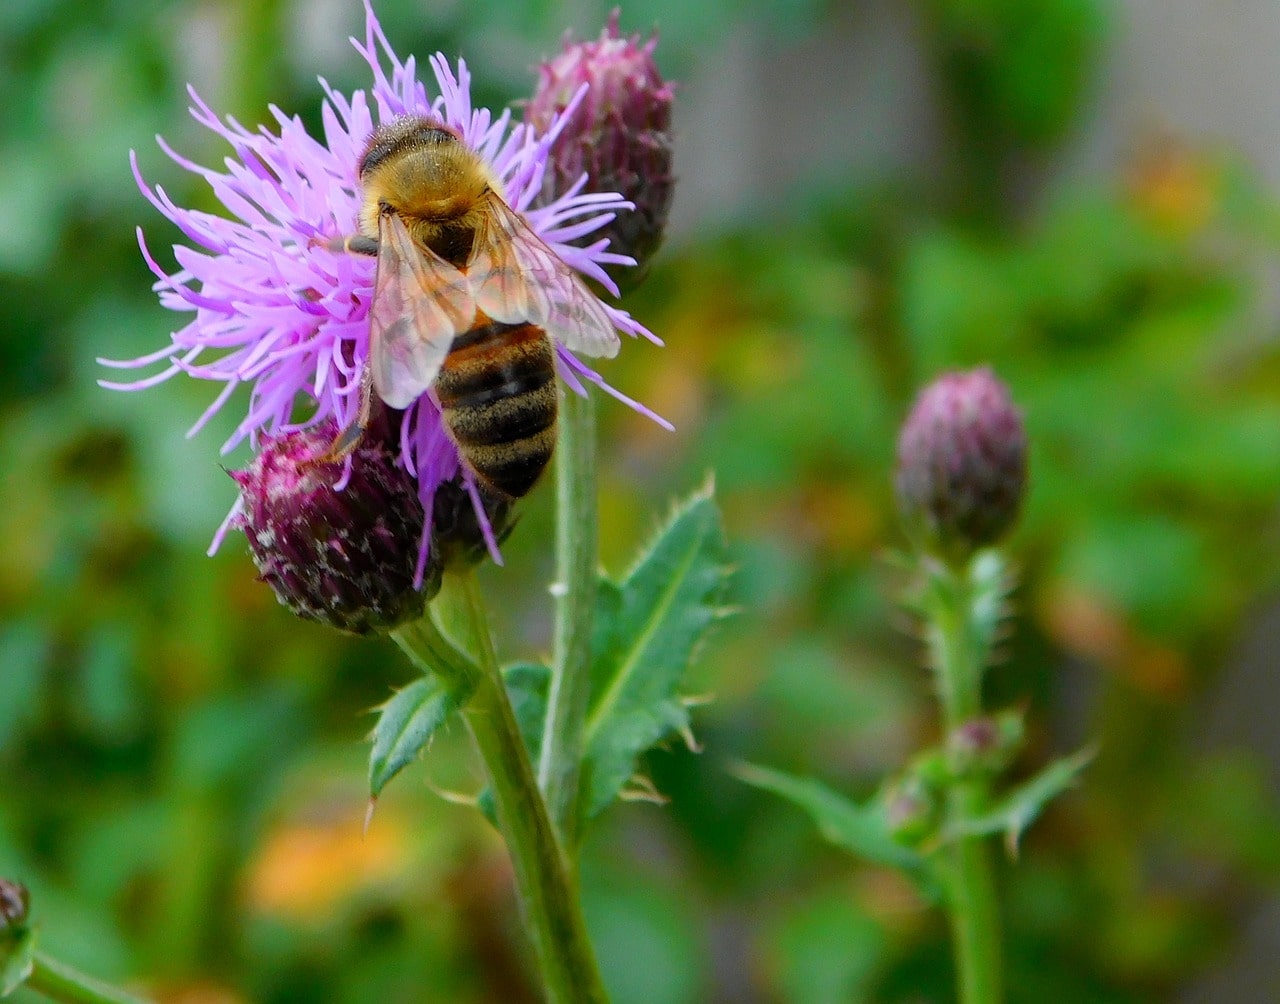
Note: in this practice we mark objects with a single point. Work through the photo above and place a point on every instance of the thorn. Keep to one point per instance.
(368, 815)
(643, 791)
(697, 700)
(454, 797)
(686, 734)
(1011, 838)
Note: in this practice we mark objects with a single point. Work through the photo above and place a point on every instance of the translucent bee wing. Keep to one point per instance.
(420, 302)
(516, 277)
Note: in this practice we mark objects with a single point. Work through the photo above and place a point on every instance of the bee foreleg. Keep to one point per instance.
(360, 244)
(349, 438)
(355, 244)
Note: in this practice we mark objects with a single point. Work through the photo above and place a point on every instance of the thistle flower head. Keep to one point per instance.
(344, 558)
(962, 463)
(272, 309)
(618, 136)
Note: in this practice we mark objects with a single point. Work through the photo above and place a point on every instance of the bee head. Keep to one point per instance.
(420, 168)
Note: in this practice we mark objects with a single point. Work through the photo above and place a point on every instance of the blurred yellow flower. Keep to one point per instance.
(305, 870)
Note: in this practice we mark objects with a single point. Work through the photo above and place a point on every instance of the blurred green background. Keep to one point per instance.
(871, 193)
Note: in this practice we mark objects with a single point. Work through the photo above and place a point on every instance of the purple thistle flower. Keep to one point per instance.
(276, 311)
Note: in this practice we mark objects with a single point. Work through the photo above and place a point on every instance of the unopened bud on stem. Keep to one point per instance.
(344, 558)
(962, 464)
(619, 136)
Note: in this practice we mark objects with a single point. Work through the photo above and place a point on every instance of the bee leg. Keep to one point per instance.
(349, 438)
(360, 244)
(355, 244)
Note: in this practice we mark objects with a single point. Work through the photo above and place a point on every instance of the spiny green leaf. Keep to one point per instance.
(527, 685)
(647, 630)
(17, 958)
(1018, 808)
(860, 829)
(405, 726)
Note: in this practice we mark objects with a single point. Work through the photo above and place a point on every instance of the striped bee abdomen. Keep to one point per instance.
(497, 392)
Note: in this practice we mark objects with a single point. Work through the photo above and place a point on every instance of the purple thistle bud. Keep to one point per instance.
(962, 463)
(911, 810)
(341, 554)
(985, 744)
(14, 904)
(619, 136)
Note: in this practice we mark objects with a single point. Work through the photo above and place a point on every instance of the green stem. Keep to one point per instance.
(960, 657)
(577, 531)
(545, 887)
(60, 982)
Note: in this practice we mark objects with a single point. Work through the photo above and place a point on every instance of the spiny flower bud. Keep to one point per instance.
(14, 904)
(962, 463)
(456, 534)
(345, 558)
(985, 744)
(619, 136)
(911, 810)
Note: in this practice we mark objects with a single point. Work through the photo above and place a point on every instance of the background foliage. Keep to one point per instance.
(182, 778)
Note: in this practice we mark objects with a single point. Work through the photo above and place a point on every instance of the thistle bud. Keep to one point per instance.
(14, 904)
(911, 810)
(985, 744)
(456, 534)
(962, 463)
(619, 136)
(345, 558)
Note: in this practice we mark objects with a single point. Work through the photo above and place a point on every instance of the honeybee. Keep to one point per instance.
(466, 302)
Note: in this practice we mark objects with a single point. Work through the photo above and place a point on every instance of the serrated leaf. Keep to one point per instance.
(405, 726)
(1018, 808)
(860, 829)
(527, 684)
(17, 958)
(647, 629)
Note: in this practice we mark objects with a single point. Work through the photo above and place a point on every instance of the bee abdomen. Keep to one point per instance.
(498, 396)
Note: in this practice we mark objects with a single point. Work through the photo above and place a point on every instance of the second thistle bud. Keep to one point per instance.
(962, 463)
(619, 136)
(14, 904)
(345, 558)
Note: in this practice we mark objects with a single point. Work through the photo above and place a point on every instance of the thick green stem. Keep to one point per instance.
(60, 982)
(960, 655)
(577, 530)
(545, 886)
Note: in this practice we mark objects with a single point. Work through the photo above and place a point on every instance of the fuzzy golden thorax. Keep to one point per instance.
(422, 172)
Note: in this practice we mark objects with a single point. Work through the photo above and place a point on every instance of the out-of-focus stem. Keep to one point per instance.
(960, 656)
(577, 531)
(60, 982)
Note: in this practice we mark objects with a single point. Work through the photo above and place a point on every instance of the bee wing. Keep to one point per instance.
(516, 277)
(420, 302)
